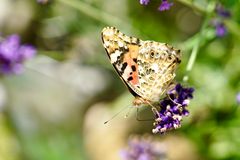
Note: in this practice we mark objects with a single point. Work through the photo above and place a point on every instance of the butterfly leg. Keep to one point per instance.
(173, 100)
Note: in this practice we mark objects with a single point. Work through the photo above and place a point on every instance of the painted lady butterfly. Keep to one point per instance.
(146, 67)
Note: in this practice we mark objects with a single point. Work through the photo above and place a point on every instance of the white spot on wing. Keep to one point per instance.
(106, 44)
(155, 67)
(120, 44)
(113, 56)
(126, 72)
(108, 32)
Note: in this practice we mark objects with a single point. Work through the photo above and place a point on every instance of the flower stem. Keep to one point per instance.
(201, 36)
(93, 12)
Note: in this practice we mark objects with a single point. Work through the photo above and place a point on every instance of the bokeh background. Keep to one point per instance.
(55, 110)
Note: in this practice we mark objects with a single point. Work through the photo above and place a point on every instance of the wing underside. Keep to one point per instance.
(146, 67)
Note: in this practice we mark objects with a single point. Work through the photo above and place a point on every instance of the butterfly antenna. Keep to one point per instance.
(128, 113)
(118, 114)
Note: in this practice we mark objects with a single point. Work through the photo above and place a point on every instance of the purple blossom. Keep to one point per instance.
(144, 2)
(172, 109)
(238, 98)
(143, 148)
(13, 54)
(43, 1)
(221, 11)
(220, 29)
(165, 5)
(218, 21)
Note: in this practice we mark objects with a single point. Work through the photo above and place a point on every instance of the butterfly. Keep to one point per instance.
(146, 67)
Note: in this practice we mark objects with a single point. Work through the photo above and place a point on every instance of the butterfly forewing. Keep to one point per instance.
(123, 51)
(147, 67)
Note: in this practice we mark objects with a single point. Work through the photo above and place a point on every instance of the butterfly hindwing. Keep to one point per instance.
(147, 67)
(156, 67)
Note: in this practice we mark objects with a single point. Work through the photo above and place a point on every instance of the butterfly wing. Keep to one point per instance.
(123, 52)
(157, 63)
(146, 67)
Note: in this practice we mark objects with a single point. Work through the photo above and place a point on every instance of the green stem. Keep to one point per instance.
(189, 43)
(193, 56)
(201, 36)
(93, 12)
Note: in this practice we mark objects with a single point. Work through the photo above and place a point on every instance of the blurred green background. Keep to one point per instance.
(55, 110)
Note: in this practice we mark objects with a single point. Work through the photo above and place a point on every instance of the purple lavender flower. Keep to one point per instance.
(165, 5)
(13, 54)
(144, 2)
(143, 148)
(220, 29)
(172, 109)
(218, 21)
(221, 11)
(43, 1)
(238, 98)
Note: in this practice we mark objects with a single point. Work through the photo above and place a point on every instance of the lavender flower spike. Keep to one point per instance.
(165, 5)
(143, 148)
(221, 11)
(13, 54)
(42, 1)
(172, 109)
(221, 30)
(144, 2)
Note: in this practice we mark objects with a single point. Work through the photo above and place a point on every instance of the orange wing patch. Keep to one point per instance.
(131, 72)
